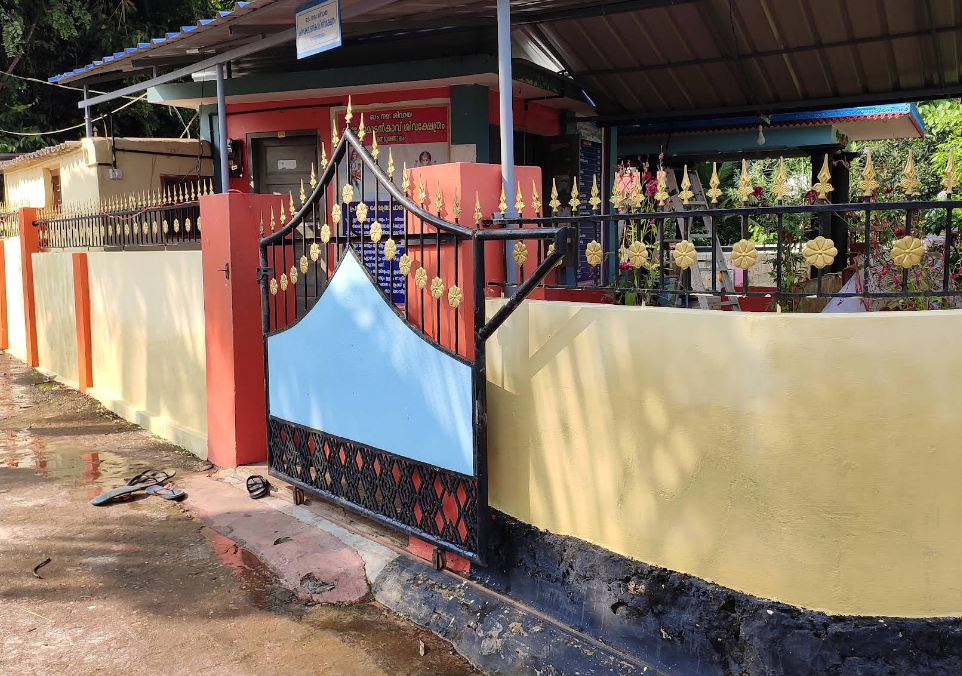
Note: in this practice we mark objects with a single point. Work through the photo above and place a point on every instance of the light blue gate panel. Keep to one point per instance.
(353, 368)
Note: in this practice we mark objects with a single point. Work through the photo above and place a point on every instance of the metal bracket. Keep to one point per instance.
(263, 274)
(439, 558)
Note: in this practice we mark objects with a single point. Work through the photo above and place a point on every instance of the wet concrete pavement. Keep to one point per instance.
(142, 586)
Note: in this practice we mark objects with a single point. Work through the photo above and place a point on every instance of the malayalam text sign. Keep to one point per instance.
(318, 27)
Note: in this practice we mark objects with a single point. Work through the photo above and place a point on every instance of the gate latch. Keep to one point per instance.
(264, 274)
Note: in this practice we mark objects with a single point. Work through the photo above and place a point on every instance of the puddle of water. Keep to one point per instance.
(257, 580)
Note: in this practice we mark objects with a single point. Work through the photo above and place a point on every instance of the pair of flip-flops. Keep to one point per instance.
(257, 487)
(153, 481)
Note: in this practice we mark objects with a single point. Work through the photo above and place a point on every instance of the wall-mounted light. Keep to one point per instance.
(761, 136)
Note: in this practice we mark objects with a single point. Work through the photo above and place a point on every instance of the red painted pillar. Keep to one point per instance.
(4, 331)
(29, 245)
(236, 401)
(81, 300)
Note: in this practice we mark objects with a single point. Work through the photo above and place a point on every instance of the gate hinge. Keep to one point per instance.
(263, 274)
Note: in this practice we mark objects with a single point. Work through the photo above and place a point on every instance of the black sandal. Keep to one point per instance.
(257, 486)
(152, 476)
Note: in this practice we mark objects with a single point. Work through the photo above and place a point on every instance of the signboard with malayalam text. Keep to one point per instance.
(318, 27)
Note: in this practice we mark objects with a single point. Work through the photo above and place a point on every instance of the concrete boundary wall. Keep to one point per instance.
(56, 315)
(809, 459)
(147, 341)
(16, 327)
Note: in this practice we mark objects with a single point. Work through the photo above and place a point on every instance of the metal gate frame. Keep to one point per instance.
(403, 490)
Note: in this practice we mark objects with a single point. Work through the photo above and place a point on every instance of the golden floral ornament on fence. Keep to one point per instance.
(907, 252)
(535, 199)
(304, 263)
(390, 249)
(335, 214)
(824, 185)
(780, 186)
(744, 254)
(685, 194)
(819, 252)
(595, 199)
(323, 158)
(637, 254)
(867, 183)
(455, 296)
(437, 288)
(315, 251)
(375, 151)
(273, 287)
(390, 164)
(361, 212)
(439, 200)
(744, 183)
(293, 275)
(376, 232)
(661, 187)
(283, 282)
(684, 254)
(554, 202)
(909, 183)
(347, 193)
(502, 202)
(518, 200)
(457, 206)
(714, 191)
(405, 178)
(325, 233)
(477, 208)
(593, 253)
(575, 201)
(951, 180)
(520, 252)
(422, 191)
(420, 277)
(404, 264)
(314, 175)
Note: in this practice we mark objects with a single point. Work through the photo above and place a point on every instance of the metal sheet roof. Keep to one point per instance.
(642, 59)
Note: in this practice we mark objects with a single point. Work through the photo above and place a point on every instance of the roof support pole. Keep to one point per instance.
(507, 127)
(222, 130)
(88, 123)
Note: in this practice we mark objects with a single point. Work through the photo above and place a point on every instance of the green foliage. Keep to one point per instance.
(43, 37)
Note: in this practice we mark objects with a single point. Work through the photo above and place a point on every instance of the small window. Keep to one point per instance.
(56, 196)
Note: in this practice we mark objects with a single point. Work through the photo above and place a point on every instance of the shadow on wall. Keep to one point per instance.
(802, 458)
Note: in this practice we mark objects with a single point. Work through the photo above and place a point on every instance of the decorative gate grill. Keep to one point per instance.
(374, 347)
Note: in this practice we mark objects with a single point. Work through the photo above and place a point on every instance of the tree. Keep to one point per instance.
(44, 37)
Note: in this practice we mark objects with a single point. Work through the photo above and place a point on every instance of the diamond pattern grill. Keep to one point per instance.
(437, 502)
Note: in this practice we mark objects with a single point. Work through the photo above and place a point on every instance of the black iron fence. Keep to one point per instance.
(161, 219)
(9, 223)
(889, 255)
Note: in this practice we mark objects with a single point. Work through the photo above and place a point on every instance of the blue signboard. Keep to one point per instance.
(379, 266)
(318, 27)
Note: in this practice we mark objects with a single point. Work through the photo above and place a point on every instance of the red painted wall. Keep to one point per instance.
(315, 114)
(538, 118)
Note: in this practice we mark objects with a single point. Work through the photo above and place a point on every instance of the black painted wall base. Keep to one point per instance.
(685, 625)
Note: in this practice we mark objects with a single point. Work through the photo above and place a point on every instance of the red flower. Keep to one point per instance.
(758, 190)
(651, 189)
(899, 232)
(647, 176)
(624, 265)
(811, 196)
(888, 191)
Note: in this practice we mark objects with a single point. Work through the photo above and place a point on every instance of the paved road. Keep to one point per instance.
(142, 587)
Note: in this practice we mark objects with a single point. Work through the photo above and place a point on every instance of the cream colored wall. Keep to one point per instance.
(16, 329)
(147, 337)
(807, 458)
(142, 172)
(56, 315)
(26, 187)
(78, 179)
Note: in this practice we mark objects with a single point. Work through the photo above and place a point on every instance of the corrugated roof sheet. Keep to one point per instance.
(643, 59)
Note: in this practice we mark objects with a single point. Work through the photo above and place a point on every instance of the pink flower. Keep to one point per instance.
(811, 196)
(624, 265)
(888, 191)
(651, 189)
(647, 176)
